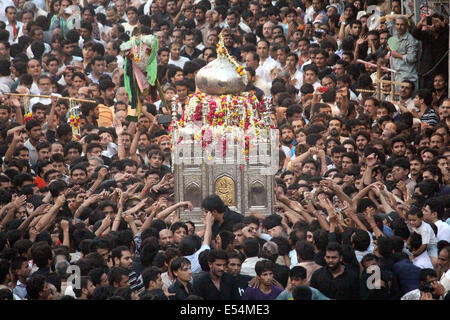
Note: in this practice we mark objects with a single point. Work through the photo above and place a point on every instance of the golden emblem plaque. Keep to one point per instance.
(226, 190)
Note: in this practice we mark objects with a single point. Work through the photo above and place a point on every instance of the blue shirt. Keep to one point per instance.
(408, 275)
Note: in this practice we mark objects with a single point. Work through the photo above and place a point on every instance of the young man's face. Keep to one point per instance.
(164, 57)
(88, 53)
(290, 62)
(44, 154)
(238, 238)
(288, 179)
(24, 270)
(78, 176)
(124, 281)
(310, 77)
(399, 173)
(189, 41)
(158, 284)
(398, 149)
(298, 282)
(175, 51)
(35, 133)
(184, 273)
(58, 166)
(333, 260)
(427, 214)
(182, 91)
(218, 267)
(11, 14)
(99, 66)
(266, 278)
(179, 235)
(132, 17)
(125, 260)
(156, 161)
(234, 266)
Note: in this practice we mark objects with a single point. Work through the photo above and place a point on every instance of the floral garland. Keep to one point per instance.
(222, 51)
(220, 119)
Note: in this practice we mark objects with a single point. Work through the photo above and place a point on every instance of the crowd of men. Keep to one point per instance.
(362, 205)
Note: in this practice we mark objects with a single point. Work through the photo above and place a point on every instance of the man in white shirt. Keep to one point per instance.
(175, 57)
(5, 76)
(132, 15)
(266, 61)
(295, 75)
(12, 25)
(34, 68)
(310, 75)
(432, 213)
(98, 68)
(45, 88)
(3, 5)
(444, 267)
(251, 251)
(423, 260)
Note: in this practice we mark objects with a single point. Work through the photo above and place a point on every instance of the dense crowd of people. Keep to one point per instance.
(87, 206)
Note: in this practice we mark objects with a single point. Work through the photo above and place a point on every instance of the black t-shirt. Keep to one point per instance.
(205, 288)
(281, 273)
(241, 282)
(229, 219)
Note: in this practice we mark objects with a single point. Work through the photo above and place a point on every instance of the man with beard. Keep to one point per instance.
(335, 129)
(287, 137)
(234, 269)
(400, 171)
(217, 285)
(122, 258)
(34, 136)
(398, 144)
(91, 112)
(335, 280)
(107, 88)
(415, 165)
(143, 144)
(165, 239)
(78, 175)
(86, 289)
(164, 144)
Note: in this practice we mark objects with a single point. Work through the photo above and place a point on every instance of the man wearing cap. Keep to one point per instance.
(164, 144)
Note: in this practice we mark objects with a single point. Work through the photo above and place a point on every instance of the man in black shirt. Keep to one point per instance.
(181, 288)
(335, 280)
(234, 269)
(224, 218)
(189, 51)
(216, 285)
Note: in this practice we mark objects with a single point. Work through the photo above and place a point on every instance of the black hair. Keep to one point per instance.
(263, 266)
(214, 202)
(251, 247)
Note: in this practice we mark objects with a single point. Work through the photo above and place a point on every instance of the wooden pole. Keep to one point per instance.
(378, 82)
(373, 91)
(49, 97)
(392, 91)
